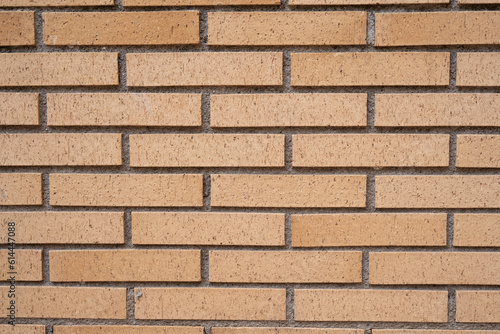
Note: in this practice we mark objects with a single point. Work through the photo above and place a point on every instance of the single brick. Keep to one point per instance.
(126, 189)
(204, 69)
(474, 2)
(478, 69)
(284, 330)
(437, 28)
(121, 28)
(363, 2)
(285, 267)
(432, 331)
(27, 263)
(211, 304)
(208, 228)
(141, 3)
(478, 268)
(65, 227)
(477, 230)
(19, 109)
(437, 191)
(20, 189)
(67, 302)
(478, 151)
(61, 149)
(22, 329)
(17, 28)
(287, 28)
(371, 69)
(478, 306)
(437, 109)
(270, 110)
(148, 265)
(123, 109)
(106, 329)
(207, 150)
(375, 229)
(288, 191)
(54, 3)
(371, 305)
(59, 69)
(370, 150)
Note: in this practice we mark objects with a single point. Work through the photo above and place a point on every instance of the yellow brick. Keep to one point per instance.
(17, 28)
(478, 69)
(19, 109)
(211, 304)
(478, 306)
(61, 149)
(370, 150)
(204, 69)
(477, 230)
(208, 228)
(54, 3)
(478, 151)
(20, 189)
(275, 28)
(141, 3)
(363, 2)
(284, 330)
(122, 28)
(27, 263)
(22, 329)
(126, 190)
(282, 191)
(127, 330)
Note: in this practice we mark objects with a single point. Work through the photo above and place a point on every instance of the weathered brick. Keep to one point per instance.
(371, 305)
(27, 266)
(437, 28)
(478, 69)
(437, 191)
(478, 268)
(370, 69)
(370, 150)
(437, 109)
(378, 229)
(67, 302)
(17, 28)
(274, 28)
(478, 306)
(73, 227)
(54, 3)
(19, 109)
(20, 189)
(204, 69)
(59, 69)
(124, 109)
(432, 331)
(478, 151)
(126, 190)
(142, 3)
(211, 304)
(61, 149)
(139, 329)
(208, 228)
(284, 330)
(363, 2)
(148, 265)
(22, 329)
(477, 230)
(121, 28)
(282, 190)
(474, 2)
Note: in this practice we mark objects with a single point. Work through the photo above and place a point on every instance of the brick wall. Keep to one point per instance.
(251, 166)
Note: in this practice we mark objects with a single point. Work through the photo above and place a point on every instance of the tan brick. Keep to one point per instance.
(478, 306)
(477, 230)
(20, 189)
(19, 109)
(478, 69)
(54, 3)
(208, 228)
(269, 110)
(371, 69)
(371, 305)
(370, 150)
(121, 28)
(377, 229)
(148, 265)
(22, 329)
(127, 330)
(478, 151)
(59, 69)
(363, 2)
(72, 227)
(61, 149)
(284, 330)
(204, 69)
(27, 263)
(432, 331)
(17, 28)
(474, 2)
(434, 268)
(211, 304)
(437, 191)
(285, 267)
(207, 150)
(67, 302)
(282, 190)
(274, 28)
(437, 109)
(124, 109)
(437, 28)
(141, 3)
